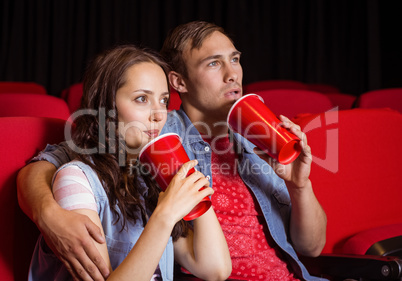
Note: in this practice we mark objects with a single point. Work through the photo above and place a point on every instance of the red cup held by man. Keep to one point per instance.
(252, 119)
(163, 157)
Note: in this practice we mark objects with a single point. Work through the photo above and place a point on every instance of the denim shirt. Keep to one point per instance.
(46, 266)
(269, 190)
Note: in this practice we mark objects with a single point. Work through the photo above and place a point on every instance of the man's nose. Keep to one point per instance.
(231, 74)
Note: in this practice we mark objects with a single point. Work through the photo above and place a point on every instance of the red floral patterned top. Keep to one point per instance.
(255, 256)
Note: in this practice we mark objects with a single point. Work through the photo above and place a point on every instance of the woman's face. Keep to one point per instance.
(142, 104)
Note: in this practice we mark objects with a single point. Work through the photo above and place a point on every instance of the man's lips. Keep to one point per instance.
(233, 93)
(152, 133)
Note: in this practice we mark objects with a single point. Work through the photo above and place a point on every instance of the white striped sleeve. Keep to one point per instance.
(72, 191)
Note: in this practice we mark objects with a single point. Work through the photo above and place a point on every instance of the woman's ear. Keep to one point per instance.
(177, 82)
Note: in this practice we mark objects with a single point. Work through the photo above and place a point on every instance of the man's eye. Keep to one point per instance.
(236, 59)
(141, 99)
(214, 63)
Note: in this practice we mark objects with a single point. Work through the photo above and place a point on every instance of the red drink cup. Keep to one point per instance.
(251, 118)
(163, 157)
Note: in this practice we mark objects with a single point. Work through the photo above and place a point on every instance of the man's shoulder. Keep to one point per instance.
(244, 143)
(174, 123)
(173, 115)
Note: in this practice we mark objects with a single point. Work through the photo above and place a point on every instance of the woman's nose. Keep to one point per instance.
(156, 115)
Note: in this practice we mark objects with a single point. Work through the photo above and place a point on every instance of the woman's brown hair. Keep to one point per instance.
(123, 182)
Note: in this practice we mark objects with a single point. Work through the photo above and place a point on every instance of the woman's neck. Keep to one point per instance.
(132, 158)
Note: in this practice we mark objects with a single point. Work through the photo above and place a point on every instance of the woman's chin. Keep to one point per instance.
(134, 149)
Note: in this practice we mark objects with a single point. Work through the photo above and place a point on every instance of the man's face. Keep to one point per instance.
(214, 79)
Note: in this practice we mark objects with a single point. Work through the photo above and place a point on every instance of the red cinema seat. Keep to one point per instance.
(292, 102)
(383, 98)
(343, 101)
(356, 177)
(22, 87)
(22, 138)
(174, 101)
(273, 84)
(73, 95)
(33, 105)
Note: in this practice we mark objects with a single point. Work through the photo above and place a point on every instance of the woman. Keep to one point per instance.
(124, 107)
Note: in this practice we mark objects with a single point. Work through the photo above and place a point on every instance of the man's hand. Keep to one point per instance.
(297, 173)
(70, 236)
(308, 220)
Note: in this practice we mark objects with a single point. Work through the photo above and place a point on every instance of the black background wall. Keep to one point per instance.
(352, 44)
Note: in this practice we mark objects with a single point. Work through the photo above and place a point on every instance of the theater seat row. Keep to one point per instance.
(286, 97)
(355, 175)
(22, 104)
(381, 98)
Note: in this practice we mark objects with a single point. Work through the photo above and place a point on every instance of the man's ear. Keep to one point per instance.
(177, 82)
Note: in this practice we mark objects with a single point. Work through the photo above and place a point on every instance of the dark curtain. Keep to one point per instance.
(315, 41)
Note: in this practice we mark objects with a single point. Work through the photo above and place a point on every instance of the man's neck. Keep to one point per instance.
(207, 125)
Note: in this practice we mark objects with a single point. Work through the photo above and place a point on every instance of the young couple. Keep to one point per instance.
(102, 221)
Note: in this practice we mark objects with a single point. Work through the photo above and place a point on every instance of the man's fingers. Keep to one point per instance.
(294, 128)
(64, 258)
(85, 262)
(96, 266)
(86, 269)
(80, 272)
(284, 119)
(69, 268)
(94, 231)
(93, 262)
(77, 271)
(306, 149)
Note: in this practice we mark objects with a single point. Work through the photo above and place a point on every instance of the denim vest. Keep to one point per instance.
(46, 266)
(269, 190)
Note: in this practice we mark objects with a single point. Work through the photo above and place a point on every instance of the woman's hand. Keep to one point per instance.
(183, 193)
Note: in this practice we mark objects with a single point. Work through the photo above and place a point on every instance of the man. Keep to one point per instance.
(267, 215)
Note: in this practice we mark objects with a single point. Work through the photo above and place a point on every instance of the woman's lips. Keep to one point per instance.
(152, 133)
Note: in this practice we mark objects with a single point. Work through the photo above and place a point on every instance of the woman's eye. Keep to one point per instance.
(165, 100)
(141, 99)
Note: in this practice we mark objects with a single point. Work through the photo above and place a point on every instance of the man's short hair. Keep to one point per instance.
(194, 33)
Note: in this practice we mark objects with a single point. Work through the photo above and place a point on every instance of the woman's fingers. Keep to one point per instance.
(185, 168)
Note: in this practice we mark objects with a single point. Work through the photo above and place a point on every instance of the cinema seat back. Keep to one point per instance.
(356, 172)
(22, 138)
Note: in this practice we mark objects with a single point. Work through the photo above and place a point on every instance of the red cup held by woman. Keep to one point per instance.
(163, 157)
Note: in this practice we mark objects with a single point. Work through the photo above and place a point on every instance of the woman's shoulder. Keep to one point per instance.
(81, 170)
(74, 167)
(75, 164)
